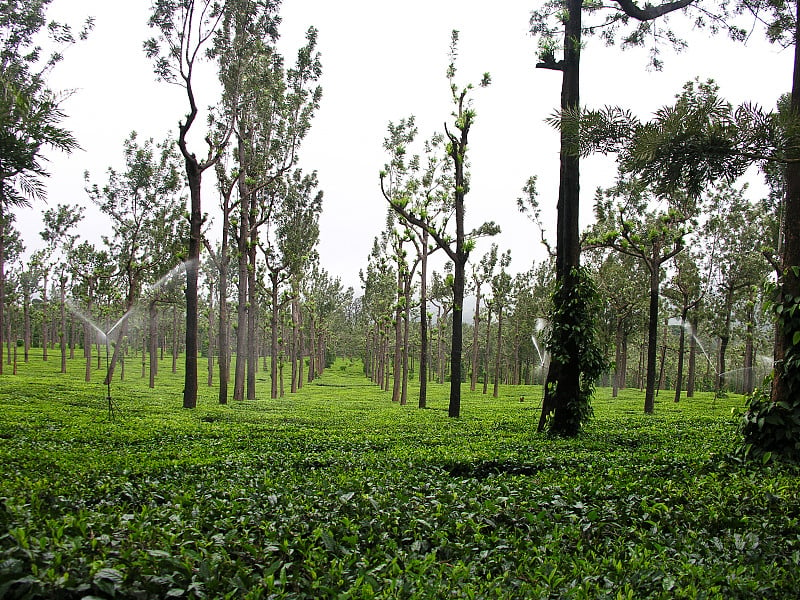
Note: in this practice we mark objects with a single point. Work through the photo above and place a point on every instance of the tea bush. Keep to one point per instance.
(336, 492)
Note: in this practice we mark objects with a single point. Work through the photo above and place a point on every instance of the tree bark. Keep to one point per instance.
(652, 337)
(563, 376)
(497, 352)
(475, 327)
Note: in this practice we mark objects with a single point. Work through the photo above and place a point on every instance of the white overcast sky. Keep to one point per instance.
(383, 61)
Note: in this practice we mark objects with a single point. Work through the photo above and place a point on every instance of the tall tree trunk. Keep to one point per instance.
(563, 376)
(45, 319)
(724, 339)
(497, 351)
(488, 351)
(681, 349)
(619, 373)
(790, 256)
(294, 349)
(692, 374)
(63, 314)
(652, 337)
(312, 351)
(174, 339)
(194, 175)
(473, 382)
(398, 339)
(153, 329)
(3, 267)
(423, 325)
(252, 315)
(406, 328)
(210, 380)
(748, 382)
(273, 324)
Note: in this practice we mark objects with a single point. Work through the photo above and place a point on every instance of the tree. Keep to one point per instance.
(738, 226)
(627, 223)
(146, 219)
(482, 272)
(185, 28)
(424, 188)
(30, 112)
(459, 247)
(56, 235)
(686, 293)
(288, 245)
(563, 379)
(501, 290)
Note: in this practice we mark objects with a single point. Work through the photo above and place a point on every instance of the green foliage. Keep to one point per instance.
(773, 427)
(338, 492)
(574, 341)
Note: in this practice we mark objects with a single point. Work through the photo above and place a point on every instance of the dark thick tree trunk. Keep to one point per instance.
(563, 376)
(194, 175)
(790, 257)
(652, 338)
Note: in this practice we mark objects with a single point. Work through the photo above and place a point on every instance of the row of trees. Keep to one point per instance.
(266, 256)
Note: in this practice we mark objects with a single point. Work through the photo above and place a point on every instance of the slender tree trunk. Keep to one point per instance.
(406, 329)
(652, 337)
(301, 342)
(619, 374)
(691, 375)
(63, 314)
(252, 315)
(210, 380)
(273, 323)
(423, 325)
(497, 351)
(26, 317)
(312, 351)
(3, 267)
(174, 339)
(488, 352)
(662, 370)
(681, 349)
(45, 319)
(748, 382)
(294, 350)
(153, 329)
(724, 339)
(473, 382)
(398, 339)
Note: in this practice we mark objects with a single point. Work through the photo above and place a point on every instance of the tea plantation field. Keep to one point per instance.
(336, 492)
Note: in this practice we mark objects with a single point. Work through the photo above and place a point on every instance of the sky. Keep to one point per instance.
(383, 61)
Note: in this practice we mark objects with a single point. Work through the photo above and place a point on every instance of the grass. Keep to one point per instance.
(336, 492)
